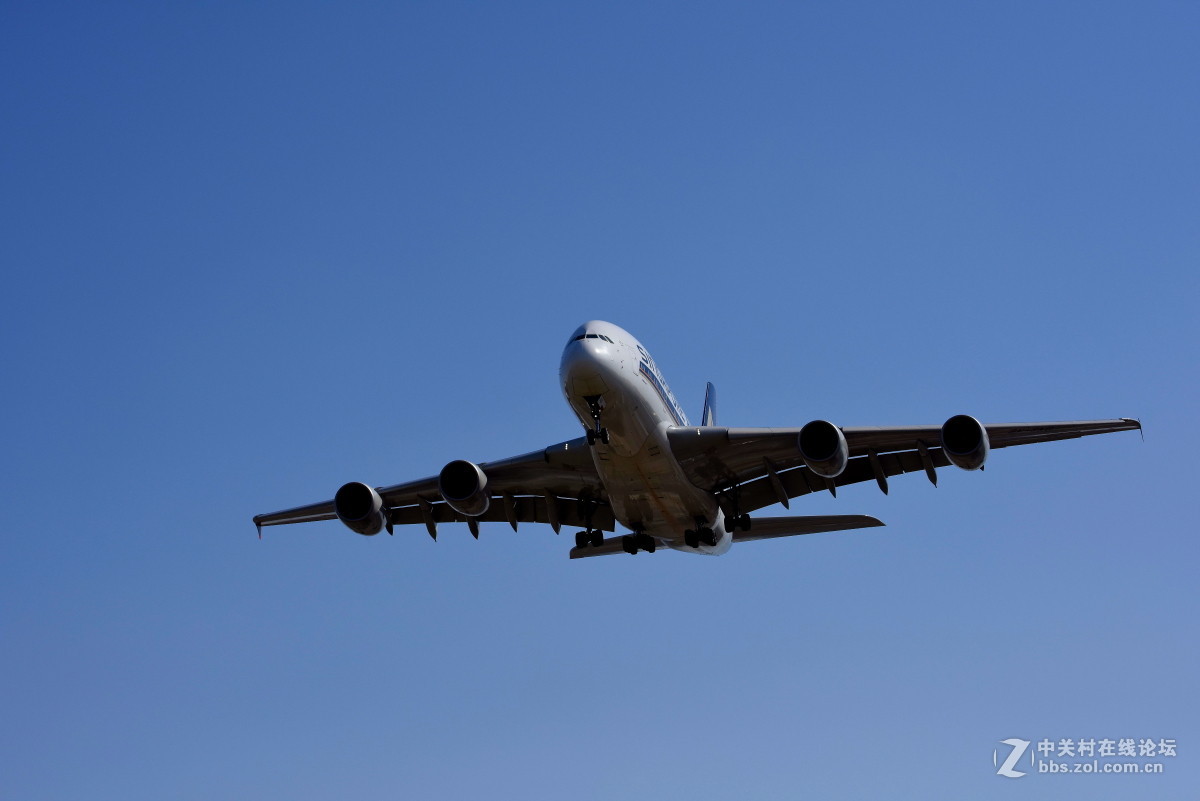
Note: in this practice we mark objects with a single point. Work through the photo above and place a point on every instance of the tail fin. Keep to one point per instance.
(709, 416)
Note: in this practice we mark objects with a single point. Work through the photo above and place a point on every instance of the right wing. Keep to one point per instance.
(558, 485)
(764, 464)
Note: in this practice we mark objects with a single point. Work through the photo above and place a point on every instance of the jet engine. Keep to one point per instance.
(965, 441)
(360, 508)
(464, 486)
(823, 448)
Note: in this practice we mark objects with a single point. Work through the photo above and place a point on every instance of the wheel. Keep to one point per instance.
(629, 544)
(691, 539)
(745, 522)
(591, 437)
(604, 435)
(582, 538)
(646, 543)
(597, 539)
(707, 536)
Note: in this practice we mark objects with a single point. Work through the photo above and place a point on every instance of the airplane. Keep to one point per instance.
(670, 483)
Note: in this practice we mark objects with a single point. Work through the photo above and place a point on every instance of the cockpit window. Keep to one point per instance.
(592, 336)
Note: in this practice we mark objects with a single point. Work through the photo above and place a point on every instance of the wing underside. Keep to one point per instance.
(759, 467)
(558, 485)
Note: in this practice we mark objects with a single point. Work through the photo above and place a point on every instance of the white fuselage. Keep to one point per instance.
(647, 488)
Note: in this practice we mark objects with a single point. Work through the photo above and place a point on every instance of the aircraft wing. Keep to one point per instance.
(558, 485)
(765, 463)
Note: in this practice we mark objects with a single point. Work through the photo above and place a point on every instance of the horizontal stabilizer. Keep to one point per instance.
(765, 528)
(762, 528)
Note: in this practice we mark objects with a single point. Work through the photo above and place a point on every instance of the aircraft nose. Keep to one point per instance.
(596, 349)
(585, 366)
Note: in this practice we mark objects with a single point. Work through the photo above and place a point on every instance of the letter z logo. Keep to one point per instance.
(1018, 751)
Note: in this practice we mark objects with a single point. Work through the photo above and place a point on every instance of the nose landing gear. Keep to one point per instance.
(597, 431)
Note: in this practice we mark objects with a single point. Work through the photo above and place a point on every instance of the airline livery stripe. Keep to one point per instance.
(667, 400)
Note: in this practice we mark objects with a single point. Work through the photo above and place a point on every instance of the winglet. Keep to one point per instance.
(258, 526)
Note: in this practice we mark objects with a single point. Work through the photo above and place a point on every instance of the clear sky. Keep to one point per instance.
(253, 251)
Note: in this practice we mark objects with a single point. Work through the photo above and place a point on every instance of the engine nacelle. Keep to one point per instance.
(360, 508)
(464, 486)
(823, 448)
(965, 441)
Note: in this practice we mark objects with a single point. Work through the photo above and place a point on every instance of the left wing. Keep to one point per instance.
(558, 485)
(765, 466)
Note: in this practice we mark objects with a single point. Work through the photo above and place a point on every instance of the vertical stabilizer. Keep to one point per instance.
(709, 416)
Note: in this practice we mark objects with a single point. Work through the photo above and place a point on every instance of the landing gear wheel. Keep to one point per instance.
(691, 539)
(629, 544)
(737, 519)
(589, 537)
(646, 543)
(707, 536)
(597, 431)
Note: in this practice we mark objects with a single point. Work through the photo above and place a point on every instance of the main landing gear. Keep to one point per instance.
(692, 538)
(740, 521)
(632, 543)
(597, 431)
(704, 535)
(736, 520)
(590, 537)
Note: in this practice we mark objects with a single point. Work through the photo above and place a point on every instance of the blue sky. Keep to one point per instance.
(254, 252)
